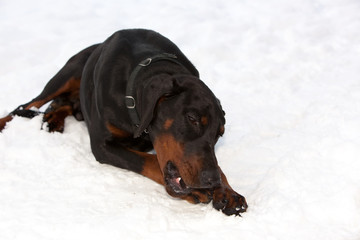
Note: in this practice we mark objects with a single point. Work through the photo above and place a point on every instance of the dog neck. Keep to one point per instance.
(130, 101)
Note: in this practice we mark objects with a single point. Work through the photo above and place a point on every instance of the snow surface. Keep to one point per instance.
(287, 73)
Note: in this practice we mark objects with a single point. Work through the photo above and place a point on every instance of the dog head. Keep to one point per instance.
(185, 120)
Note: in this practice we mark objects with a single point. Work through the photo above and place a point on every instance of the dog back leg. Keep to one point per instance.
(59, 109)
(64, 85)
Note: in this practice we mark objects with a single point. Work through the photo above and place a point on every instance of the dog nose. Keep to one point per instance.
(210, 178)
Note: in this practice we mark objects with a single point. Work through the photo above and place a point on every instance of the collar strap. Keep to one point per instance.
(130, 100)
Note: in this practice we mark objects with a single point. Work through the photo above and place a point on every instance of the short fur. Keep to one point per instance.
(179, 115)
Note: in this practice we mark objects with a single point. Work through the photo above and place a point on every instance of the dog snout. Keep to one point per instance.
(210, 178)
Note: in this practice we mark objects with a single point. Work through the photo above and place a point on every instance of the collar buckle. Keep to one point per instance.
(130, 102)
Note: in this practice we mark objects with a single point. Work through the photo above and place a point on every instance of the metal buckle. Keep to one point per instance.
(146, 62)
(132, 104)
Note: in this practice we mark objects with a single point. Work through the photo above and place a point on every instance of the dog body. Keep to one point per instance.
(137, 92)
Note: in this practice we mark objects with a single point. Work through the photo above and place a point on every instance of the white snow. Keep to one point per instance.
(287, 74)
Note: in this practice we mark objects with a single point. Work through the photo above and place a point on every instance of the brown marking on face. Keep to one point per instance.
(4, 120)
(168, 123)
(204, 120)
(72, 86)
(169, 149)
(117, 132)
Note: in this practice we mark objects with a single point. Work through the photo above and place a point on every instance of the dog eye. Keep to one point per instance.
(169, 95)
(193, 120)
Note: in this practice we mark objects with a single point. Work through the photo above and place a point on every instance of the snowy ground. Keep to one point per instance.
(288, 76)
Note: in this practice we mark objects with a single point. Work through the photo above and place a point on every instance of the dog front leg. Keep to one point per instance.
(113, 153)
(227, 200)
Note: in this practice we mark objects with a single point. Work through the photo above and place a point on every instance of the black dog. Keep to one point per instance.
(136, 92)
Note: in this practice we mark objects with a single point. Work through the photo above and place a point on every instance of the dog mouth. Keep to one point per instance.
(174, 182)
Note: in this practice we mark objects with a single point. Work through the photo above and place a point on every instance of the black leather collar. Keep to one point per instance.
(130, 100)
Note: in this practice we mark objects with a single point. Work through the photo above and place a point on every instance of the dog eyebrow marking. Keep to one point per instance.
(168, 123)
(204, 120)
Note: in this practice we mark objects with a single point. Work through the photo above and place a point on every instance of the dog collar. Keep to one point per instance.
(130, 101)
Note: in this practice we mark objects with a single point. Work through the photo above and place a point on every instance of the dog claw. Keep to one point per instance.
(229, 202)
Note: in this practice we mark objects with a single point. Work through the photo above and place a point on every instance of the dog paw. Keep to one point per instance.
(55, 122)
(229, 201)
(55, 116)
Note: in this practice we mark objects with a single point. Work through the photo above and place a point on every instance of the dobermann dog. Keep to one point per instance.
(137, 92)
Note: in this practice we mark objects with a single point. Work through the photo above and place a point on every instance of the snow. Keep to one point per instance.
(287, 74)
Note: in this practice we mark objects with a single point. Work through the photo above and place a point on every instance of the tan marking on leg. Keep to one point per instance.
(56, 118)
(72, 85)
(117, 132)
(4, 120)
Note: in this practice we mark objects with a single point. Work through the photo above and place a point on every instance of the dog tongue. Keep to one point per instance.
(177, 180)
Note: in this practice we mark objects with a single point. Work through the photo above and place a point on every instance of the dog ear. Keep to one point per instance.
(219, 104)
(150, 96)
